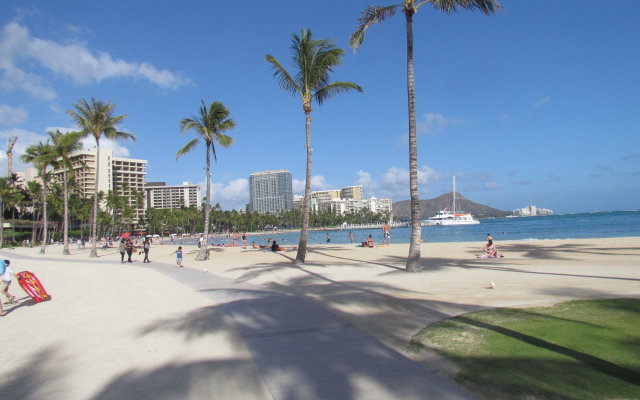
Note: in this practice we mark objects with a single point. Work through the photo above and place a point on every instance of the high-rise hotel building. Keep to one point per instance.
(159, 195)
(125, 176)
(270, 192)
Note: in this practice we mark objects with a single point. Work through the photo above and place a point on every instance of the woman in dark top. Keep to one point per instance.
(146, 246)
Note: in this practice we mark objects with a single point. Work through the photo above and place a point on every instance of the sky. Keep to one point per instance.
(536, 104)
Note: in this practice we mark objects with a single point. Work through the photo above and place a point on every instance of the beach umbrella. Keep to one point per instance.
(126, 235)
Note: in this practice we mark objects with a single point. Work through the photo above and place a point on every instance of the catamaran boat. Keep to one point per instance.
(448, 218)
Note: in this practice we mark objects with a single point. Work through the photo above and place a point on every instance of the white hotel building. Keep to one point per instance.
(161, 195)
(347, 200)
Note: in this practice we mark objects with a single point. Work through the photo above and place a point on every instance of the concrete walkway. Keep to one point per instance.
(304, 352)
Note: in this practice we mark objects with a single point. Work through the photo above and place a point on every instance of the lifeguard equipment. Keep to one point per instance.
(31, 284)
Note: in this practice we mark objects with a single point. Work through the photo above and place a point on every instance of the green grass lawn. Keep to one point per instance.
(588, 349)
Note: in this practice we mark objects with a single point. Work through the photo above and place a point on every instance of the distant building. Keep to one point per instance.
(351, 192)
(347, 200)
(125, 176)
(532, 211)
(270, 192)
(159, 195)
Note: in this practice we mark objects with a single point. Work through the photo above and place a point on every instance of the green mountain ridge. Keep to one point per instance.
(429, 207)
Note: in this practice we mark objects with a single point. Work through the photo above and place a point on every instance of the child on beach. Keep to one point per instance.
(6, 272)
(178, 254)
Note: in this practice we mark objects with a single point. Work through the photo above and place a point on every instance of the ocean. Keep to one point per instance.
(566, 226)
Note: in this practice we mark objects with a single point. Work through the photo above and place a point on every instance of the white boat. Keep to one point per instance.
(448, 218)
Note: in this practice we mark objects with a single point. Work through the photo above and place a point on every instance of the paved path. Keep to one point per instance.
(304, 352)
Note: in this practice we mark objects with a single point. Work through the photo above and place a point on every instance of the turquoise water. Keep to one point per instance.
(568, 226)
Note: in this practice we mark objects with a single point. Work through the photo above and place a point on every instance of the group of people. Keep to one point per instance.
(274, 246)
(126, 246)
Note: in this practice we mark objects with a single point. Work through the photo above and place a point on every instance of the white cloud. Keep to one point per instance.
(395, 182)
(317, 183)
(542, 102)
(12, 115)
(118, 149)
(73, 61)
(491, 185)
(433, 123)
(232, 195)
(364, 179)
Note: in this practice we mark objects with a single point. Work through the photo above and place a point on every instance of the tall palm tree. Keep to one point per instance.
(96, 119)
(210, 126)
(40, 156)
(62, 146)
(376, 14)
(314, 60)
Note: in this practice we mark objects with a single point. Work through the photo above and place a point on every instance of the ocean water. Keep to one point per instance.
(567, 226)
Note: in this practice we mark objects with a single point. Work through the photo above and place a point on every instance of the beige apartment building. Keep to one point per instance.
(125, 176)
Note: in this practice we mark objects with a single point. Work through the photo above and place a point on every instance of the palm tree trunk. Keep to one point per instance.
(413, 260)
(43, 245)
(202, 254)
(94, 222)
(304, 232)
(34, 226)
(65, 216)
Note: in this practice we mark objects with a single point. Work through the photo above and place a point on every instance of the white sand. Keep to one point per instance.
(114, 328)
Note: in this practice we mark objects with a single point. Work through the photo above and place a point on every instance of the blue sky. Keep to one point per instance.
(537, 104)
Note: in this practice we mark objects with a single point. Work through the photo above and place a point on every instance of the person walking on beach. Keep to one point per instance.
(129, 247)
(6, 272)
(146, 246)
(178, 254)
(351, 236)
(244, 240)
(386, 234)
(122, 248)
(328, 238)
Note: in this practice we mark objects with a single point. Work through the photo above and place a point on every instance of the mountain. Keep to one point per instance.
(429, 208)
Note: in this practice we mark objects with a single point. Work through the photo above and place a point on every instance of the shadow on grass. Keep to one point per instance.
(596, 363)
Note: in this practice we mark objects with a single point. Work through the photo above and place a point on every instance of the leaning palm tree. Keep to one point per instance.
(210, 126)
(62, 147)
(314, 60)
(376, 14)
(40, 156)
(96, 119)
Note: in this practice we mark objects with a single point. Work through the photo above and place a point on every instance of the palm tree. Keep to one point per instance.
(62, 146)
(96, 119)
(210, 126)
(375, 14)
(39, 156)
(314, 61)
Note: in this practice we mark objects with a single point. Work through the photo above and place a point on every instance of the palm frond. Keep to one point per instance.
(286, 82)
(449, 6)
(335, 88)
(187, 148)
(371, 15)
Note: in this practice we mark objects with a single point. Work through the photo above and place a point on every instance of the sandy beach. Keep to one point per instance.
(117, 330)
